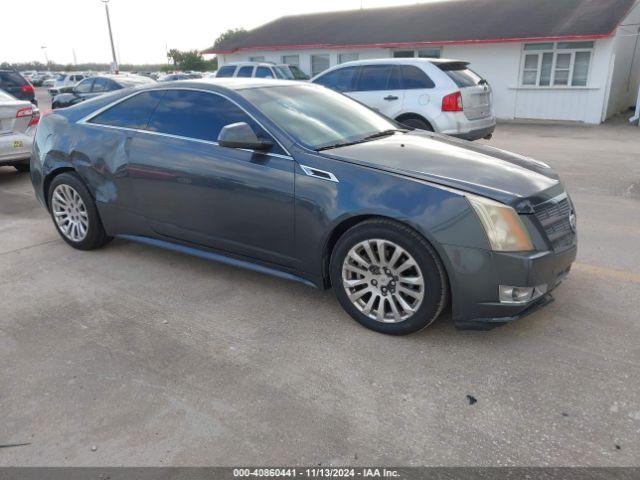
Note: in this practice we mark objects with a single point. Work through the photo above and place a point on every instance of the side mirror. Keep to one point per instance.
(241, 135)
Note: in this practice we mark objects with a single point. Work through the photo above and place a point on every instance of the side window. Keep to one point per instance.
(413, 77)
(264, 72)
(131, 113)
(12, 79)
(245, 71)
(373, 77)
(102, 85)
(84, 86)
(226, 71)
(340, 79)
(197, 115)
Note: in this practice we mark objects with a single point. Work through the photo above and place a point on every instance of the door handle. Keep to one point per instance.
(390, 98)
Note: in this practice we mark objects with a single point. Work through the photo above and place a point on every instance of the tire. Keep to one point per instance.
(22, 167)
(415, 122)
(80, 213)
(389, 236)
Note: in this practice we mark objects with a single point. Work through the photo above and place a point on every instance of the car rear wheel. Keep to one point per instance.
(415, 122)
(74, 213)
(388, 277)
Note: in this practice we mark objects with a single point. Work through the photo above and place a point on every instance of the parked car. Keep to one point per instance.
(18, 120)
(261, 70)
(299, 181)
(438, 95)
(64, 82)
(39, 77)
(171, 77)
(95, 86)
(16, 85)
(49, 82)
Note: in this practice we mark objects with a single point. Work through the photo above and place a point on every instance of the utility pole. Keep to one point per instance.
(75, 62)
(114, 66)
(46, 57)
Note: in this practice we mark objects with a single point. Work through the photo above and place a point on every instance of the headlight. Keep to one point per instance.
(504, 228)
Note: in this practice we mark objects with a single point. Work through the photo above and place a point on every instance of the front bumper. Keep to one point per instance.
(476, 274)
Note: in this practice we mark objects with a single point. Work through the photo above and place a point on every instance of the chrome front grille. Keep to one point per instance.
(555, 219)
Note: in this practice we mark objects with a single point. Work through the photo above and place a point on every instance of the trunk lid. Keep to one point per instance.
(9, 122)
(476, 92)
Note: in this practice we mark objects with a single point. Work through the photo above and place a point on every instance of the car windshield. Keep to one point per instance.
(317, 118)
(284, 73)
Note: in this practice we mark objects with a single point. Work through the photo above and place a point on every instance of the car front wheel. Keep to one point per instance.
(388, 277)
(74, 213)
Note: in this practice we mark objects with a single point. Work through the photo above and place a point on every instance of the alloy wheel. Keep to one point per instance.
(383, 280)
(70, 213)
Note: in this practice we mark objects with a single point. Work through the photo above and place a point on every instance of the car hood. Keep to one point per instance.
(491, 172)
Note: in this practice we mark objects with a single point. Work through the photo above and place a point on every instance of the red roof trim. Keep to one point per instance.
(411, 44)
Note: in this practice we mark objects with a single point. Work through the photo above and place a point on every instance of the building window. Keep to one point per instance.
(434, 52)
(291, 60)
(347, 57)
(559, 64)
(259, 58)
(319, 63)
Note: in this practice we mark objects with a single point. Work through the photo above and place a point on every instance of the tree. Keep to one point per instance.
(189, 60)
(175, 56)
(229, 34)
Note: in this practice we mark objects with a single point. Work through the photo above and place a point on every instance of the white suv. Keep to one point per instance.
(439, 95)
(261, 70)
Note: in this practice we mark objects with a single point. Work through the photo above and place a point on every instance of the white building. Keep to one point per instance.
(545, 59)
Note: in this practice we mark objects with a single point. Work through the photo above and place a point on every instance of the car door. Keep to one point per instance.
(378, 86)
(191, 189)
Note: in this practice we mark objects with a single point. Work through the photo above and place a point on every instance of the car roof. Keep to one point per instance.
(230, 83)
(248, 64)
(401, 61)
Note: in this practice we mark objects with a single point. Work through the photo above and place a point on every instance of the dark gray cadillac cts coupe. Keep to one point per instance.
(301, 182)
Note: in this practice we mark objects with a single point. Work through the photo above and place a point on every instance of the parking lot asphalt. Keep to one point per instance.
(131, 355)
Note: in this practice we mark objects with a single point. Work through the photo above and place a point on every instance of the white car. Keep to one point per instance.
(66, 80)
(439, 95)
(261, 70)
(18, 121)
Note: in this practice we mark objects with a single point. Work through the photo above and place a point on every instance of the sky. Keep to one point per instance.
(142, 29)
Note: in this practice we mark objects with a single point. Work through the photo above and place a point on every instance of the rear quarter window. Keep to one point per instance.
(133, 112)
(414, 78)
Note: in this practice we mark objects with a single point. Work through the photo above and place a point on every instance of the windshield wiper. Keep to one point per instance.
(383, 133)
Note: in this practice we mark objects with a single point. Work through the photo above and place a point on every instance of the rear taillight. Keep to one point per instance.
(452, 102)
(27, 89)
(24, 112)
(34, 119)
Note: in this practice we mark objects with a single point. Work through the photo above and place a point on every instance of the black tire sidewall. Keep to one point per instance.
(417, 123)
(422, 252)
(95, 235)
